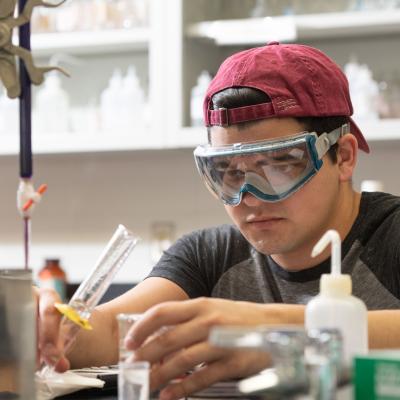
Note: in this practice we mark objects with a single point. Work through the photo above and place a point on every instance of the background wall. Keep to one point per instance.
(89, 195)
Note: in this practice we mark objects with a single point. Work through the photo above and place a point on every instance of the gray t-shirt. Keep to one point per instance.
(220, 262)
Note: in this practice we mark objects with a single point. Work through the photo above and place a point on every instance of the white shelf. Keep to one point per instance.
(58, 143)
(91, 42)
(69, 143)
(252, 31)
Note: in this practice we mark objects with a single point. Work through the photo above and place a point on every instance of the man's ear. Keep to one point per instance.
(347, 156)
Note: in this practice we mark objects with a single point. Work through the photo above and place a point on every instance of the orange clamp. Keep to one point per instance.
(42, 188)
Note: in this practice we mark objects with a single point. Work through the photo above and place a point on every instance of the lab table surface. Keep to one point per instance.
(343, 393)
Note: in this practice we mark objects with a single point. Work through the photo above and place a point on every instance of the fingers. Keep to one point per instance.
(165, 314)
(48, 330)
(172, 339)
(62, 365)
(235, 364)
(200, 379)
(183, 361)
(49, 318)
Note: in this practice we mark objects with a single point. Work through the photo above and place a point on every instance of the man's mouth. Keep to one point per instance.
(263, 222)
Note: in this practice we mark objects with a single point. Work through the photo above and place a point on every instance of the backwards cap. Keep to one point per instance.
(301, 81)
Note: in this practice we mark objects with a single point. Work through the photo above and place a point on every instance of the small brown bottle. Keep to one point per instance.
(52, 276)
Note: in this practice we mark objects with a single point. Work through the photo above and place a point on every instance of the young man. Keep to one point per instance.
(281, 154)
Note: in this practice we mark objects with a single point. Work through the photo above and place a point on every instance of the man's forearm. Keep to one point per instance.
(283, 314)
(98, 346)
(384, 329)
(383, 325)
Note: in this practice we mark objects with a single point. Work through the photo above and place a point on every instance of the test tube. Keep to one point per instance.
(91, 290)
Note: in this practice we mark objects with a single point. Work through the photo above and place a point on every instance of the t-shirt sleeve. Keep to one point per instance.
(382, 252)
(196, 261)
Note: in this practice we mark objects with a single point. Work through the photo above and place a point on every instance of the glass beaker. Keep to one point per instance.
(125, 323)
(18, 334)
(92, 289)
(133, 380)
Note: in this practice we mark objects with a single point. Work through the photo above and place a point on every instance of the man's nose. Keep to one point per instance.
(250, 200)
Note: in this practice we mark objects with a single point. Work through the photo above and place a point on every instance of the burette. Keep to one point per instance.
(26, 195)
(18, 84)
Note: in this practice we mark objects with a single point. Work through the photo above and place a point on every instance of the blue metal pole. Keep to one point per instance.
(25, 103)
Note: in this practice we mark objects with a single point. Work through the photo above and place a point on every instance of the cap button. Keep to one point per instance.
(272, 43)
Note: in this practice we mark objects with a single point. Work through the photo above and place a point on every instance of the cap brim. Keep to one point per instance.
(355, 130)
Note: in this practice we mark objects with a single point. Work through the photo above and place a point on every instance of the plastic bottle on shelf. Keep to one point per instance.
(100, 17)
(52, 276)
(67, 17)
(196, 98)
(110, 100)
(335, 307)
(259, 10)
(364, 91)
(52, 106)
(132, 101)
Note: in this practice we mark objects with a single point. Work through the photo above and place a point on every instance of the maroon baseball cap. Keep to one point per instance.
(301, 81)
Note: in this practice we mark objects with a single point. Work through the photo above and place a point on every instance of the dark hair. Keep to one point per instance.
(244, 96)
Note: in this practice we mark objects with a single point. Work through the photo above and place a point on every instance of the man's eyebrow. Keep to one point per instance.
(222, 161)
(282, 157)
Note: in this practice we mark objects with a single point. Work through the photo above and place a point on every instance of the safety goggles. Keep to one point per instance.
(271, 170)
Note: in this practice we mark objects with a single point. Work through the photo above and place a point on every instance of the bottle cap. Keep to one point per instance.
(335, 285)
(52, 260)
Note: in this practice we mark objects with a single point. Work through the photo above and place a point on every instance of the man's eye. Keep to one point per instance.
(288, 167)
(234, 174)
(221, 166)
(283, 168)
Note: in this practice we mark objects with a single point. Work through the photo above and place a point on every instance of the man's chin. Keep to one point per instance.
(271, 246)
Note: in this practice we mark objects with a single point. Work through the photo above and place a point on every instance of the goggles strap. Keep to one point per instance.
(326, 140)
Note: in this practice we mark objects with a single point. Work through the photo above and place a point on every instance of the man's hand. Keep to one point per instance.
(49, 345)
(183, 344)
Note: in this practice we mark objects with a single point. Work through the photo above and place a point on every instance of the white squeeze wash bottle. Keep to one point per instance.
(335, 307)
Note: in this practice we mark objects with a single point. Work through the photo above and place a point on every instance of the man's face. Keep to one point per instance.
(293, 224)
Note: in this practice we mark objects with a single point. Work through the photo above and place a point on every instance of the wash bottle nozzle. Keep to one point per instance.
(334, 283)
(332, 237)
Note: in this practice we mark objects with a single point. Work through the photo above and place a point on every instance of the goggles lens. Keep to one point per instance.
(270, 170)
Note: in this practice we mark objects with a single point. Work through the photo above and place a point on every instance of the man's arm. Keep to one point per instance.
(384, 329)
(184, 345)
(99, 346)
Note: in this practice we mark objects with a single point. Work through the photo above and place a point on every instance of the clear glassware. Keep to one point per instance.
(324, 360)
(18, 328)
(125, 323)
(286, 347)
(91, 290)
(133, 380)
